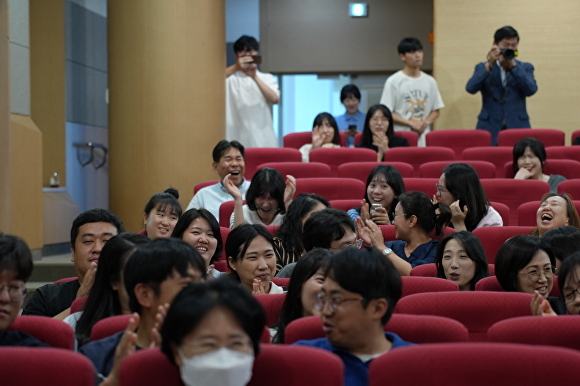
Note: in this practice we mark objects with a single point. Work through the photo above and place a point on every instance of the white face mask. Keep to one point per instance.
(222, 367)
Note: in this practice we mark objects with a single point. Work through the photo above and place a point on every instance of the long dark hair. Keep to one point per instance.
(103, 300)
(319, 121)
(367, 136)
(238, 242)
(394, 180)
(305, 268)
(418, 204)
(187, 218)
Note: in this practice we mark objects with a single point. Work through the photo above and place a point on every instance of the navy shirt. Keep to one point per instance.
(102, 352)
(17, 338)
(423, 254)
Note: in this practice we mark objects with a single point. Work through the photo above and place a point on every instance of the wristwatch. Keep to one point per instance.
(387, 250)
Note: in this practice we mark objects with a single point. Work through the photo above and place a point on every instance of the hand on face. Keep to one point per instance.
(231, 188)
(289, 190)
(523, 174)
(381, 141)
(458, 214)
(247, 65)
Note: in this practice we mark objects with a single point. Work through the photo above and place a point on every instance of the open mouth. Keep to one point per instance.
(235, 172)
(201, 249)
(263, 276)
(542, 290)
(546, 217)
(454, 276)
(377, 199)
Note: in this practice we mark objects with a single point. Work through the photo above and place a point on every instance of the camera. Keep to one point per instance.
(508, 53)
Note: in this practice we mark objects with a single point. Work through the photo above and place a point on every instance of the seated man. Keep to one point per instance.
(89, 233)
(360, 291)
(228, 158)
(330, 229)
(15, 270)
(154, 274)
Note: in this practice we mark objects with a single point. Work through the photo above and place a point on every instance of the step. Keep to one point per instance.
(52, 268)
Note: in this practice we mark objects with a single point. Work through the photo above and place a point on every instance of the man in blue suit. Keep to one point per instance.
(504, 83)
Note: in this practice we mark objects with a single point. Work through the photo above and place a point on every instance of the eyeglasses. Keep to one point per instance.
(535, 274)
(357, 244)
(440, 189)
(320, 300)
(569, 297)
(15, 293)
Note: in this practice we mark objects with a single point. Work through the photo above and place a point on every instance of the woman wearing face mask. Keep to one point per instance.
(324, 134)
(251, 259)
(528, 163)
(212, 333)
(161, 214)
(556, 210)
(378, 132)
(305, 282)
(267, 198)
(200, 229)
(461, 258)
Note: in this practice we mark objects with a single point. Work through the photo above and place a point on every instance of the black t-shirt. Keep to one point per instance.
(393, 142)
(52, 299)
(17, 338)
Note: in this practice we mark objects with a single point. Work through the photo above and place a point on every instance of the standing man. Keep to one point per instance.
(250, 95)
(504, 83)
(412, 95)
(352, 121)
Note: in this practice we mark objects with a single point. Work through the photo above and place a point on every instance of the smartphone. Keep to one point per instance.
(374, 208)
(257, 59)
(352, 129)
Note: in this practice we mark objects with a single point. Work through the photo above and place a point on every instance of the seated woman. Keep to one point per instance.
(415, 218)
(384, 186)
(161, 214)
(556, 210)
(288, 240)
(107, 296)
(324, 134)
(528, 163)
(267, 198)
(251, 259)
(200, 229)
(460, 189)
(569, 282)
(212, 333)
(378, 133)
(563, 241)
(526, 264)
(305, 282)
(461, 258)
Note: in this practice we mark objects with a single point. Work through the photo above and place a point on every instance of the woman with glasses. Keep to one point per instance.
(527, 264)
(415, 218)
(378, 133)
(460, 189)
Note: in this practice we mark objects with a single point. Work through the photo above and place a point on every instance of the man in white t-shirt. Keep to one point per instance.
(250, 95)
(412, 95)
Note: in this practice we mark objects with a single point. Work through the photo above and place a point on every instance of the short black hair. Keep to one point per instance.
(418, 204)
(506, 32)
(324, 227)
(394, 180)
(368, 273)
(474, 250)
(515, 254)
(409, 45)
(246, 43)
(319, 121)
(160, 201)
(15, 256)
(187, 218)
(564, 241)
(223, 147)
(267, 180)
(152, 263)
(95, 215)
(239, 239)
(350, 90)
(197, 300)
(536, 146)
(568, 269)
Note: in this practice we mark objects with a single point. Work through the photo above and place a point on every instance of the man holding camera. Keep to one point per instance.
(504, 83)
(250, 95)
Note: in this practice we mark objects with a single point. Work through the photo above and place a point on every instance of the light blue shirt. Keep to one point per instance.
(211, 197)
(345, 120)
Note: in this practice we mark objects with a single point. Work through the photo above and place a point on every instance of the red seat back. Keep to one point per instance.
(334, 157)
(66, 279)
(549, 137)
(78, 304)
(109, 326)
(563, 152)
(297, 140)
(458, 140)
(527, 213)
(225, 213)
(475, 310)
(272, 229)
(417, 284)
(417, 156)
(202, 185)
(575, 134)
(570, 187)
(411, 136)
(299, 169)
(495, 154)
(53, 332)
(564, 167)
(331, 188)
(345, 205)
(425, 185)
(434, 169)
(255, 156)
(491, 283)
(361, 170)
(493, 238)
(221, 264)
(424, 270)
(272, 304)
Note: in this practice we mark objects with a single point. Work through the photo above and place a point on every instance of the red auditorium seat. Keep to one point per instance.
(493, 237)
(430, 270)
(64, 280)
(563, 152)
(513, 193)
(275, 364)
(564, 167)
(476, 364)
(416, 284)
(272, 229)
(361, 170)
(570, 187)
(425, 185)
(299, 169)
(417, 156)
(345, 205)
(575, 134)
(559, 331)
(331, 188)
(254, 156)
(202, 185)
(412, 328)
(458, 140)
(221, 264)
(497, 155)
(503, 210)
(226, 210)
(491, 283)
(78, 304)
(549, 137)
(411, 136)
(109, 326)
(527, 212)
(476, 310)
(281, 281)
(435, 169)
(334, 157)
(41, 366)
(297, 140)
(272, 304)
(53, 332)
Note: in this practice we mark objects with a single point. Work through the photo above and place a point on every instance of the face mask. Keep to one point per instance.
(222, 367)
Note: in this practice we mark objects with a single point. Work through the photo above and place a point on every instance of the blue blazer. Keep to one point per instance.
(503, 105)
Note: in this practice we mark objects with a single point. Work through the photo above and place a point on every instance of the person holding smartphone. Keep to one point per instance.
(352, 121)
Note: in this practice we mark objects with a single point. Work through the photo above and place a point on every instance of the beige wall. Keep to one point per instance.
(548, 31)
(5, 190)
(167, 98)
